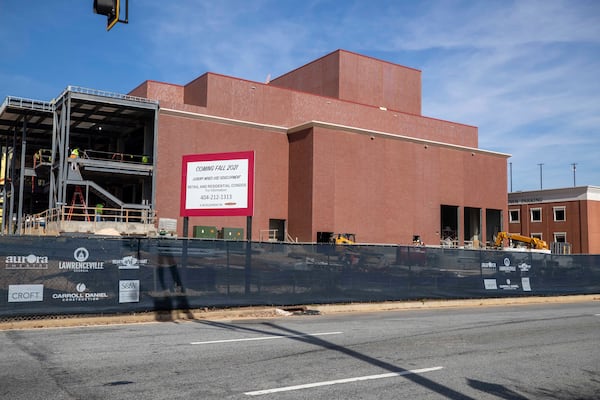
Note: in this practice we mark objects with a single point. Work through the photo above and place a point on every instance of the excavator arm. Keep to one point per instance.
(532, 242)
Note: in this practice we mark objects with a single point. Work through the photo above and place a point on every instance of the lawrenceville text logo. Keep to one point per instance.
(81, 264)
(129, 262)
(81, 295)
(507, 267)
(26, 262)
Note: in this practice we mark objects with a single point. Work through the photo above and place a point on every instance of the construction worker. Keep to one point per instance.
(99, 209)
(145, 159)
(74, 155)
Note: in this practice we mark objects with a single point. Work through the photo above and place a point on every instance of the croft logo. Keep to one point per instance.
(81, 254)
(25, 293)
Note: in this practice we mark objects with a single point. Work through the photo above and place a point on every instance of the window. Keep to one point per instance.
(514, 215)
(560, 237)
(537, 236)
(560, 214)
(536, 214)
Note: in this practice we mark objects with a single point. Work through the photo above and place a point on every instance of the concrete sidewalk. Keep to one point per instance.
(262, 312)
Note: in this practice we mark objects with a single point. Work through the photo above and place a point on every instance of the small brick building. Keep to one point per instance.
(567, 215)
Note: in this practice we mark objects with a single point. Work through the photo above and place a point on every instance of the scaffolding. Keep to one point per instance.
(95, 145)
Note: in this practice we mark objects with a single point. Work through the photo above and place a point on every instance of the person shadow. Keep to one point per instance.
(174, 297)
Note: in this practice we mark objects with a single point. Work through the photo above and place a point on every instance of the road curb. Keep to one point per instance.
(428, 303)
(273, 312)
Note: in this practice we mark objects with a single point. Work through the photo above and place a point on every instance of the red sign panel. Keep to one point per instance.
(220, 184)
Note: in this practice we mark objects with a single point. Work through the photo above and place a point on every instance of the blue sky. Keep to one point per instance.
(526, 73)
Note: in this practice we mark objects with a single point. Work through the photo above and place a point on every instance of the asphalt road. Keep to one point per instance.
(549, 351)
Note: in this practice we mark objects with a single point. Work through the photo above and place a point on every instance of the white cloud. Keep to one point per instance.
(527, 76)
(246, 41)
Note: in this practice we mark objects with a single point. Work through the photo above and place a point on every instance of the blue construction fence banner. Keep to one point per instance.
(75, 275)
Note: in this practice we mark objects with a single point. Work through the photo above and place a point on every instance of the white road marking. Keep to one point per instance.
(338, 381)
(267, 338)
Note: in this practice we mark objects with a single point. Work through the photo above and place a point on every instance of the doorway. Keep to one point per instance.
(472, 227)
(277, 229)
(449, 226)
(493, 224)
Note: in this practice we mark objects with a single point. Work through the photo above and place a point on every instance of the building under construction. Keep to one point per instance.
(81, 162)
(340, 146)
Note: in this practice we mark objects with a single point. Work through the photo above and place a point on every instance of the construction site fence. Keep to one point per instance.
(41, 276)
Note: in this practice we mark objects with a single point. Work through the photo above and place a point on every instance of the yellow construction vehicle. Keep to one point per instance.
(343, 238)
(531, 242)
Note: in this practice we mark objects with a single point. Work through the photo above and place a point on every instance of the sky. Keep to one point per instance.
(526, 72)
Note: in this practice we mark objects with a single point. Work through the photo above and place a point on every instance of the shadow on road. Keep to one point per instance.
(499, 391)
(317, 341)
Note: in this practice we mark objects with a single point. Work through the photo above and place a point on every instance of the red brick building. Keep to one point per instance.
(340, 146)
(567, 215)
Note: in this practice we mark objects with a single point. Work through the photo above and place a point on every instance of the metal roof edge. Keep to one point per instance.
(78, 91)
(223, 120)
(25, 103)
(575, 193)
(388, 135)
(309, 124)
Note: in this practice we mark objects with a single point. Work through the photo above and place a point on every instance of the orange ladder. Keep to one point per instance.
(78, 200)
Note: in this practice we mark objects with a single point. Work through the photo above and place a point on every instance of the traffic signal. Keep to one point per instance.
(110, 8)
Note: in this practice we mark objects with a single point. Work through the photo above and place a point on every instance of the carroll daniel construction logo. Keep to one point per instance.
(80, 294)
(81, 263)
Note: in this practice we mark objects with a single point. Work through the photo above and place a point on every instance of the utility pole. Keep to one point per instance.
(574, 165)
(541, 180)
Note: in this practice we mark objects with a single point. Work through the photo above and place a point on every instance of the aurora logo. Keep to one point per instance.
(26, 262)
